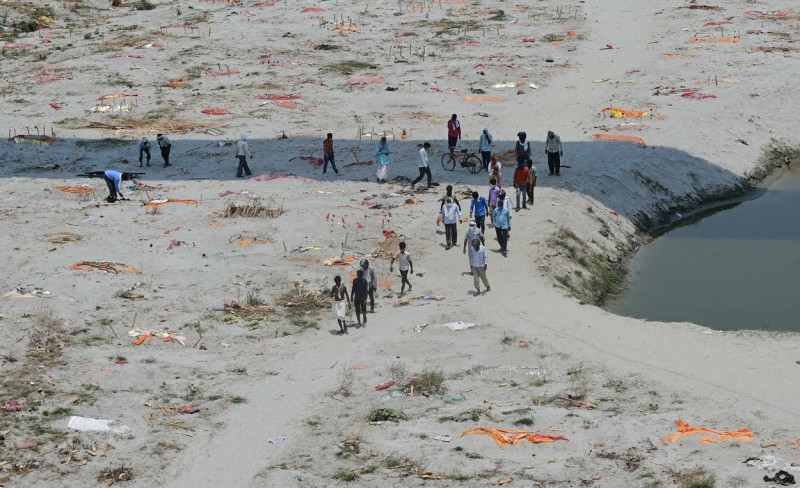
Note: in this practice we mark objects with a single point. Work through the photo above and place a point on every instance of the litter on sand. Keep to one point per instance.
(515, 437)
(276, 440)
(86, 424)
(167, 336)
(722, 436)
(164, 201)
(107, 266)
(459, 325)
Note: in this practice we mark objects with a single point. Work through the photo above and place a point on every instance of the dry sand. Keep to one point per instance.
(284, 374)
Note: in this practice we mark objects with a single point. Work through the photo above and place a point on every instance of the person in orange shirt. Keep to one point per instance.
(522, 179)
(453, 132)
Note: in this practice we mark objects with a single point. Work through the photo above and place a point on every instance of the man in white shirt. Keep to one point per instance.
(472, 234)
(552, 147)
(243, 152)
(451, 215)
(480, 263)
(424, 168)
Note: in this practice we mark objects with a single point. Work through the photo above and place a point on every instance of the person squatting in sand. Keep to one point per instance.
(341, 302)
(358, 294)
(113, 180)
(405, 264)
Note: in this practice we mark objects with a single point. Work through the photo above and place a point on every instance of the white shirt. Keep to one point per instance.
(242, 149)
(451, 214)
(479, 258)
(402, 260)
(553, 145)
(423, 158)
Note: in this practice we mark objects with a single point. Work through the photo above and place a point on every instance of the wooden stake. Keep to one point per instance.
(200, 330)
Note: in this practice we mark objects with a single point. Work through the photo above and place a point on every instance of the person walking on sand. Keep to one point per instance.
(451, 215)
(327, 155)
(243, 152)
(453, 132)
(478, 207)
(522, 150)
(144, 147)
(382, 158)
(372, 280)
(485, 147)
(495, 172)
(424, 168)
(341, 302)
(473, 233)
(554, 151)
(502, 225)
(166, 146)
(404, 263)
(532, 170)
(448, 192)
(480, 263)
(522, 181)
(358, 294)
(494, 195)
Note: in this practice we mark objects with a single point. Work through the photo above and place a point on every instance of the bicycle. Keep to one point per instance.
(470, 161)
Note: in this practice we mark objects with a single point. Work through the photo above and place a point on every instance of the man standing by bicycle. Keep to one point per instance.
(453, 132)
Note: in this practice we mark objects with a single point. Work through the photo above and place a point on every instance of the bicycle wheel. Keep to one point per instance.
(448, 161)
(474, 164)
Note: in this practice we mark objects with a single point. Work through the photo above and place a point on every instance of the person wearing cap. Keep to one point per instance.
(554, 151)
(372, 280)
(165, 145)
(480, 263)
(451, 215)
(453, 132)
(522, 149)
(144, 147)
(502, 225)
(478, 207)
(485, 147)
(473, 233)
(243, 152)
(424, 168)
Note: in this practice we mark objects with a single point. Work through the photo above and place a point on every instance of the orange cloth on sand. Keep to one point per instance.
(504, 437)
(488, 99)
(74, 189)
(726, 436)
(614, 137)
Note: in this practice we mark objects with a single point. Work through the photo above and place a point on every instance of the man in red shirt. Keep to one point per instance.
(453, 132)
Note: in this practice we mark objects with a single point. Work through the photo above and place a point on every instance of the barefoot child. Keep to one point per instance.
(404, 263)
(340, 306)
